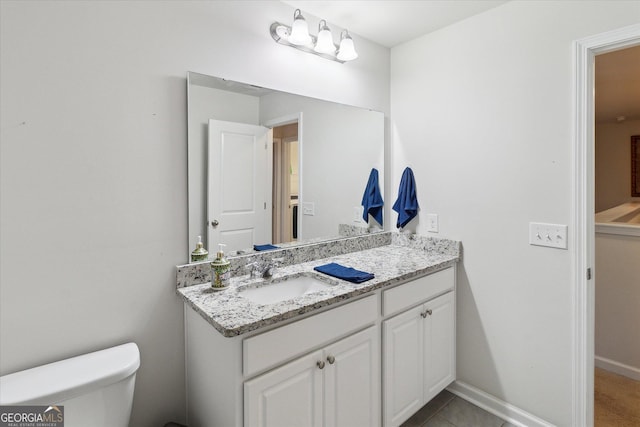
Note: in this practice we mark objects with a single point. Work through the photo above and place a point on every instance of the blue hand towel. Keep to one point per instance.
(264, 247)
(346, 273)
(372, 199)
(407, 203)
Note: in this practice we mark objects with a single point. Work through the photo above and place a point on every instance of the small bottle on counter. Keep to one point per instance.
(199, 253)
(220, 270)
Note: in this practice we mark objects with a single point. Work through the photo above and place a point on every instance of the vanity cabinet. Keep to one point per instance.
(371, 361)
(418, 346)
(334, 386)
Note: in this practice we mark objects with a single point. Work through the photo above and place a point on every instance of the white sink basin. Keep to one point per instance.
(285, 288)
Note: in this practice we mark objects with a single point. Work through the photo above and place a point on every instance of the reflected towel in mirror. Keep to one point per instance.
(407, 203)
(267, 247)
(372, 199)
(345, 273)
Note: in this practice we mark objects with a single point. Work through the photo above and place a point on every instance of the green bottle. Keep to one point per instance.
(220, 270)
(199, 253)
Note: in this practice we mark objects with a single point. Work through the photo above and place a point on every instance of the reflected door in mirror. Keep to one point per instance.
(238, 196)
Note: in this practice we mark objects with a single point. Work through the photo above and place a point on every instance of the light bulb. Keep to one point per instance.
(324, 44)
(347, 51)
(299, 30)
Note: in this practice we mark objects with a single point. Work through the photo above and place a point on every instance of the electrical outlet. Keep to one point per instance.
(549, 235)
(357, 214)
(308, 208)
(432, 223)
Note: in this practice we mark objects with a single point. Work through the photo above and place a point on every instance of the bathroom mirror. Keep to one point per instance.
(635, 166)
(312, 173)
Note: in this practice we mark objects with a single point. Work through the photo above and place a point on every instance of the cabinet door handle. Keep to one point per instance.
(331, 360)
(320, 364)
(426, 313)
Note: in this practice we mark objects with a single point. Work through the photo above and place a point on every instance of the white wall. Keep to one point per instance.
(94, 167)
(617, 305)
(613, 163)
(482, 111)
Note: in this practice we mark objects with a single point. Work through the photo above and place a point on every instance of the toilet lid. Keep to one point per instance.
(65, 379)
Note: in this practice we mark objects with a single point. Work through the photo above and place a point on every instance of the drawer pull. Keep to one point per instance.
(320, 364)
(331, 360)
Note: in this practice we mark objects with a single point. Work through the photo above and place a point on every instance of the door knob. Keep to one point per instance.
(215, 223)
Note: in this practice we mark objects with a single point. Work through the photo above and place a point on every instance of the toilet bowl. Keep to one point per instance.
(96, 389)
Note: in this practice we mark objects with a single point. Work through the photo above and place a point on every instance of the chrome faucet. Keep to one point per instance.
(264, 270)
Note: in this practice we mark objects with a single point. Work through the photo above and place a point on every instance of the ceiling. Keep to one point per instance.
(390, 23)
(618, 85)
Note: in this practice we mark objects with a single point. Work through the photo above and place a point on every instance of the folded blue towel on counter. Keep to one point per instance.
(372, 199)
(264, 247)
(345, 273)
(407, 203)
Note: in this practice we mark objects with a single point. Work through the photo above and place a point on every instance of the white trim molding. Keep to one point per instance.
(618, 368)
(497, 407)
(583, 203)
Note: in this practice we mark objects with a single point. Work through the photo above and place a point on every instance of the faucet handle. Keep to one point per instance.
(253, 269)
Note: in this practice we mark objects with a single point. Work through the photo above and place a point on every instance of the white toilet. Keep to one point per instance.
(96, 389)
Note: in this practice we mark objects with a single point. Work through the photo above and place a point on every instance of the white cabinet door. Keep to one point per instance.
(403, 366)
(439, 345)
(352, 381)
(419, 357)
(288, 396)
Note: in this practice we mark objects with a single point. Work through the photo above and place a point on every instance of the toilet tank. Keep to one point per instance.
(96, 389)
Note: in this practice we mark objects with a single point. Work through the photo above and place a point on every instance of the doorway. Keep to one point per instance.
(617, 243)
(286, 178)
(583, 240)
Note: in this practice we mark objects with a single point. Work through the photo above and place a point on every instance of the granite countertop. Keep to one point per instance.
(231, 314)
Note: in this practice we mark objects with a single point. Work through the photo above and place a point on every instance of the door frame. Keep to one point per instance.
(583, 205)
(285, 120)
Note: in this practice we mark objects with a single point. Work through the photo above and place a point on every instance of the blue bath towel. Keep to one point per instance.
(407, 203)
(264, 247)
(372, 199)
(345, 273)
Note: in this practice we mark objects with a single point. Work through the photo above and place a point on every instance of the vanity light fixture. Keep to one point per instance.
(298, 36)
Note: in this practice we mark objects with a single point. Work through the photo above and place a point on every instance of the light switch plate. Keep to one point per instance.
(432, 223)
(549, 235)
(308, 208)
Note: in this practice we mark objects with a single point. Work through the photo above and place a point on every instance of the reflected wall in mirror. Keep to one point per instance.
(267, 166)
(635, 166)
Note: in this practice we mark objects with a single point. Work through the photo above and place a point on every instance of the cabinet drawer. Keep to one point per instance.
(417, 291)
(278, 345)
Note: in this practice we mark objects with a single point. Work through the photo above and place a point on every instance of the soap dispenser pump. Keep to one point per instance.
(221, 270)
(199, 253)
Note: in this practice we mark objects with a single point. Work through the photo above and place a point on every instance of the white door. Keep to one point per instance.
(289, 396)
(403, 366)
(439, 345)
(239, 185)
(352, 381)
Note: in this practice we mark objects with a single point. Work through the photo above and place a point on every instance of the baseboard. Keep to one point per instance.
(500, 408)
(617, 367)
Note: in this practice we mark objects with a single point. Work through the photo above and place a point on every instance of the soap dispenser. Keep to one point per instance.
(220, 270)
(199, 253)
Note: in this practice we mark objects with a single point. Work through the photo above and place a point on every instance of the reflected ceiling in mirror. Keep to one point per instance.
(319, 155)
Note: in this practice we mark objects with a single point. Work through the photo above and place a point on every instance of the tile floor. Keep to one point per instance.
(448, 410)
